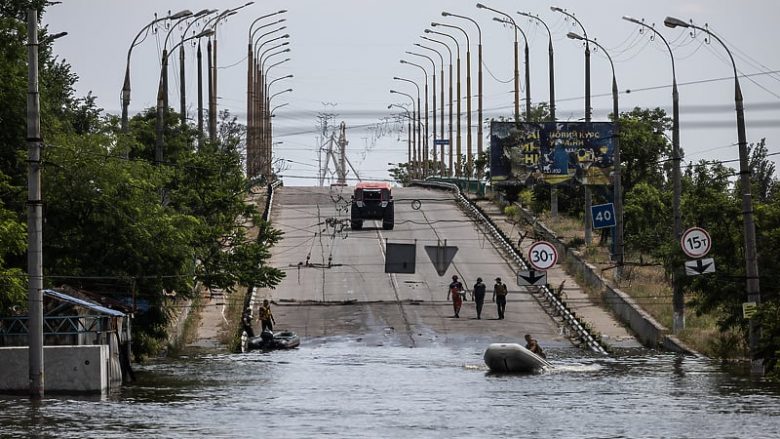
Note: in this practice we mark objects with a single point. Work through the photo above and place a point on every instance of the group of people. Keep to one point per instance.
(264, 315)
(457, 293)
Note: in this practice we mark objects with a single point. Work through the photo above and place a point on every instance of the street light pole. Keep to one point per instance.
(441, 108)
(551, 65)
(469, 158)
(456, 170)
(415, 141)
(479, 86)
(751, 254)
(182, 83)
(451, 137)
(418, 153)
(444, 170)
(411, 150)
(678, 301)
(126, 84)
(618, 184)
(424, 155)
(250, 127)
(527, 67)
(409, 131)
(433, 64)
(517, 63)
(588, 220)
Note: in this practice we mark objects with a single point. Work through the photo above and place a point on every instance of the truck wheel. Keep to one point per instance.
(387, 226)
(356, 225)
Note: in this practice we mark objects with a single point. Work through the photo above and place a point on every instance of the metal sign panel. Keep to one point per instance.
(696, 242)
(441, 142)
(603, 215)
(542, 255)
(441, 256)
(551, 151)
(699, 266)
(400, 258)
(531, 278)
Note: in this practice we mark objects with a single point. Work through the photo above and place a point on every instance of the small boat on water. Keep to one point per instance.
(513, 358)
(269, 340)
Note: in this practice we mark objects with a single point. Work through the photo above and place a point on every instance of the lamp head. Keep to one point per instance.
(285, 36)
(205, 33)
(55, 36)
(202, 12)
(181, 14)
(391, 105)
(556, 9)
(434, 24)
(574, 36)
(480, 6)
(631, 19)
(674, 22)
(282, 11)
(427, 31)
(393, 91)
(404, 62)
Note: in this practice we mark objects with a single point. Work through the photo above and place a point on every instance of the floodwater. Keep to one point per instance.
(346, 388)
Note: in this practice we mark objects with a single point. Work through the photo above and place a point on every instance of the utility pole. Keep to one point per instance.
(34, 213)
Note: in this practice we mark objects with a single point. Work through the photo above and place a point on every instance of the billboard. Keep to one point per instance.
(553, 152)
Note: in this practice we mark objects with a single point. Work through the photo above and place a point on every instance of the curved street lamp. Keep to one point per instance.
(126, 83)
(450, 137)
(433, 65)
(678, 301)
(458, 150)
(618, 184)
(751, 254)
(517, 65)
(409, 118)
(588, 112)
(182, 79)
(441, 107)
(414, 127)
(417, 153)
(424, 153)
(479, 83)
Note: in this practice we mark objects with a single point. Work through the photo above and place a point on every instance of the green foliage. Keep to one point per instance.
(646, 217)
(643, 146)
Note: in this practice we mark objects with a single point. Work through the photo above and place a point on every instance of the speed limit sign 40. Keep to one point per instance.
(542, 255)
(696, 242)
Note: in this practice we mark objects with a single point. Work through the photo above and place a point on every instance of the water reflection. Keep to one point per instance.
(346, 389)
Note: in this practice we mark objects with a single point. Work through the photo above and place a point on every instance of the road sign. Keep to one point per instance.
(603, 215)
(749, 309)
(530, 278)
(400, 258)
(699, 266)
(441, 256)
(542, 255)
(441, 142)
(696, 242)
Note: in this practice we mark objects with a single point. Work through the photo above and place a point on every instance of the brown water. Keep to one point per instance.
(344, 388)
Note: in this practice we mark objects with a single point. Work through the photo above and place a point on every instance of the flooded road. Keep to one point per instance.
(342, 387)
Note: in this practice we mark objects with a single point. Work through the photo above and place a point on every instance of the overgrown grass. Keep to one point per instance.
(230, 334)
(189, 330)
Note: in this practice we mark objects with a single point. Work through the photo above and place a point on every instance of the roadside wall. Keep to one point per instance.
(76, 369)
(649, 332)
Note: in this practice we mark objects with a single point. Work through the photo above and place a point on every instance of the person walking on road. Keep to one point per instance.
(479, 296)
(265, 316)
(499, 296)
(455, 290)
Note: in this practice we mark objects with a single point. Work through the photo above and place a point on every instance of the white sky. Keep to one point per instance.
(346, 52)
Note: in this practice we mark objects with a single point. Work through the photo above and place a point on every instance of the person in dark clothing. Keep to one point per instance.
(479, 296)
(499, 296)
(265, 316)
(533, 346)
(454, 290)
(246, 322)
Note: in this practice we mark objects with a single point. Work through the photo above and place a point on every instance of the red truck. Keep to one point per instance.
(372, 201)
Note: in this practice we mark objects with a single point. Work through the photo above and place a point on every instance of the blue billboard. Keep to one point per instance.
(553, 152)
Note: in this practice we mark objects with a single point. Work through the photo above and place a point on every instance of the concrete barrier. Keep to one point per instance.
(67, 369)
(649, 331)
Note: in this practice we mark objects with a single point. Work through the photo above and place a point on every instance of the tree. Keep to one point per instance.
(643, 146)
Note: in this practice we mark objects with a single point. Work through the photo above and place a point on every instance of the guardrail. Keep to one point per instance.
(471, 208)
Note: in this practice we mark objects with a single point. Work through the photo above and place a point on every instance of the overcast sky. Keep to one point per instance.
(346, 52)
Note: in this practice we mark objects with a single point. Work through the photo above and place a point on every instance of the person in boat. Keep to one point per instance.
(478, 294)
(532, 345)
(265, 316)
(455, 290)
(246, 322)
(499, 296)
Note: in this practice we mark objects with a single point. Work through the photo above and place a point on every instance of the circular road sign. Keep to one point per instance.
(542, 255)
(696, 242)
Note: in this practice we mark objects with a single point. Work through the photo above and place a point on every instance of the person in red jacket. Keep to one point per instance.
(455, 290)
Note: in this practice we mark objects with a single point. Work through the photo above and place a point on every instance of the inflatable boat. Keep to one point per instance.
(269, 340)
(513, 358)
